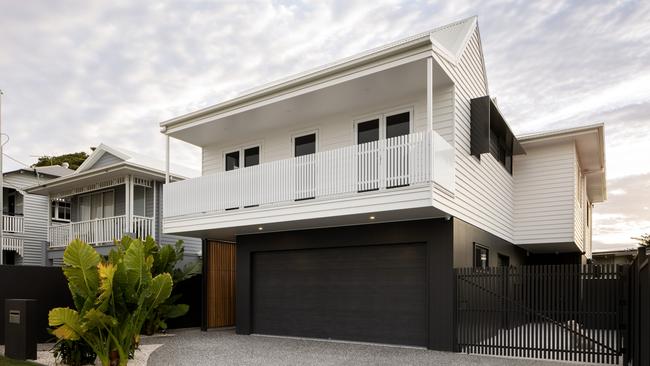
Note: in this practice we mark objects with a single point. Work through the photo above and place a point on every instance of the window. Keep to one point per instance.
(481, 256)
(395, 158)
(139, 200)
(97, 205)
(504, 260)
(368, 131)
(499, 150)
(398, 125)
(251, 158)
(61, 210)
(304, 145)
(384, 126)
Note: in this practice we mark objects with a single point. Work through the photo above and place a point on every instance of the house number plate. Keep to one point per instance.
(14, 316)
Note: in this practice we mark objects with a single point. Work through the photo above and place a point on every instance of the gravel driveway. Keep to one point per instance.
(224, 347)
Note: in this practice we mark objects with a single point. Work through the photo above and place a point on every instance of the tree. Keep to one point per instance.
(644, 240)
(74, 159)
(113, 297)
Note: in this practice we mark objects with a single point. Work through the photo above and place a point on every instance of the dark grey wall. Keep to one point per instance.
(47, 285)
(465, 235)
(436, 234)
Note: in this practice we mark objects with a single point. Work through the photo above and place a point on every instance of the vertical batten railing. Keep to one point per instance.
(13, 224)
(417, 158)
(99, 231)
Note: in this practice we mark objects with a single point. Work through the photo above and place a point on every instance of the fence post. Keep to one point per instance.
(456, 347)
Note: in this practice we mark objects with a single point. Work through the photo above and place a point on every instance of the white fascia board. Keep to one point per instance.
(395, 199)
(71, 179)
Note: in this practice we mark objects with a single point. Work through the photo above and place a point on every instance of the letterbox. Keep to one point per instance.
(20, 329)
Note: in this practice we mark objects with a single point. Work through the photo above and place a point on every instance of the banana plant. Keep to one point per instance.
(113, 298)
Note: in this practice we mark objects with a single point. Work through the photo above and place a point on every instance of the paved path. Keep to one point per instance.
(224, 347)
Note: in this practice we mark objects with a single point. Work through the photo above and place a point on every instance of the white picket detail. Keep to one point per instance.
(399, 161)
(99, 231)
(13, 224)
(15, 244)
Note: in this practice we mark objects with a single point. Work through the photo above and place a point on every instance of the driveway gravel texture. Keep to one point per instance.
(224, 347)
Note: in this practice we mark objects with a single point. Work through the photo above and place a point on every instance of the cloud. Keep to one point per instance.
(625, 215)
(77, 73)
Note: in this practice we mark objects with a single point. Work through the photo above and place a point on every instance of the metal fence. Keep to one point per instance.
(557, 312)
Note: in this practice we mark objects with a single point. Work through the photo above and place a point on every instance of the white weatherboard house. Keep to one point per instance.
(25, 216)
(113, 193)
(335, 203)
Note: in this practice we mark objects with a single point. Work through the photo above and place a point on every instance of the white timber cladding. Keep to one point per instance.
(546, 195)
(483, 194)
(581, 206)
(36, 211)
(335, 131)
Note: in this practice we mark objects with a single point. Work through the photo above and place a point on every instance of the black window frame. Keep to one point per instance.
(303, 136)
(477, 247)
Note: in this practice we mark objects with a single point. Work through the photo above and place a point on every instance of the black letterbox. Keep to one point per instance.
(20, 329)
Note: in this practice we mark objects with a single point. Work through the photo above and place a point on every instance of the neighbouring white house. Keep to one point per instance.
(25, 216)
(337, 202)
(113, 193)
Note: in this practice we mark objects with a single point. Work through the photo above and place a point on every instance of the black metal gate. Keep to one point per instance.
(639, 316)
(558, 312)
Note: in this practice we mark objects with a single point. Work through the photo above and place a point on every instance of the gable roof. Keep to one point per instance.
(448, 41)
(133, 158)
(52, 170)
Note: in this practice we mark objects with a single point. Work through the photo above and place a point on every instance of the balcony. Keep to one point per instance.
(100, 231)
(13, 224)
(392, 165)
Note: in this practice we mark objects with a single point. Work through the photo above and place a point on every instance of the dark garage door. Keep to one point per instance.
(370, 293)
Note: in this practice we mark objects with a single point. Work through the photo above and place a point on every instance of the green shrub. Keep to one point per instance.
(113, 297)
(73, 353)
(165, 260)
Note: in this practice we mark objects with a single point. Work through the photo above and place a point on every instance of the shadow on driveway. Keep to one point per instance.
(224, 347)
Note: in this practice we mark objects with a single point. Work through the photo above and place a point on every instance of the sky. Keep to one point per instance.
(78, 73)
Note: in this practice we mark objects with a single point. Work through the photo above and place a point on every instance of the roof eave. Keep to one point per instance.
(309, 76)
(39, 189)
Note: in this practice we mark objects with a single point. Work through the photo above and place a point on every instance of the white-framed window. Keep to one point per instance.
(61, 209)
(386, 125)
(242, 157)
(304, 143)
(97, 205)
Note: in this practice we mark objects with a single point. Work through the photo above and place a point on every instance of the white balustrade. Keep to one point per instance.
(13, 224)
(99, 231)
(418, 158)
(15, 244)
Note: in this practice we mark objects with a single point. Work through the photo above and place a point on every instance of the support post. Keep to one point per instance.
(429, 93)
(167, 159)
(204, 285)
(128, 203)
(155, 211)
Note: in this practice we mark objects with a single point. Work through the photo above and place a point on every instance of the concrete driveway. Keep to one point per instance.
(224, 347)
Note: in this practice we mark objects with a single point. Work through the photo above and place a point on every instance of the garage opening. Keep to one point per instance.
(365, 293)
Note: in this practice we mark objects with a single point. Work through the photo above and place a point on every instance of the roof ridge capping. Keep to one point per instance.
(440, 46)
